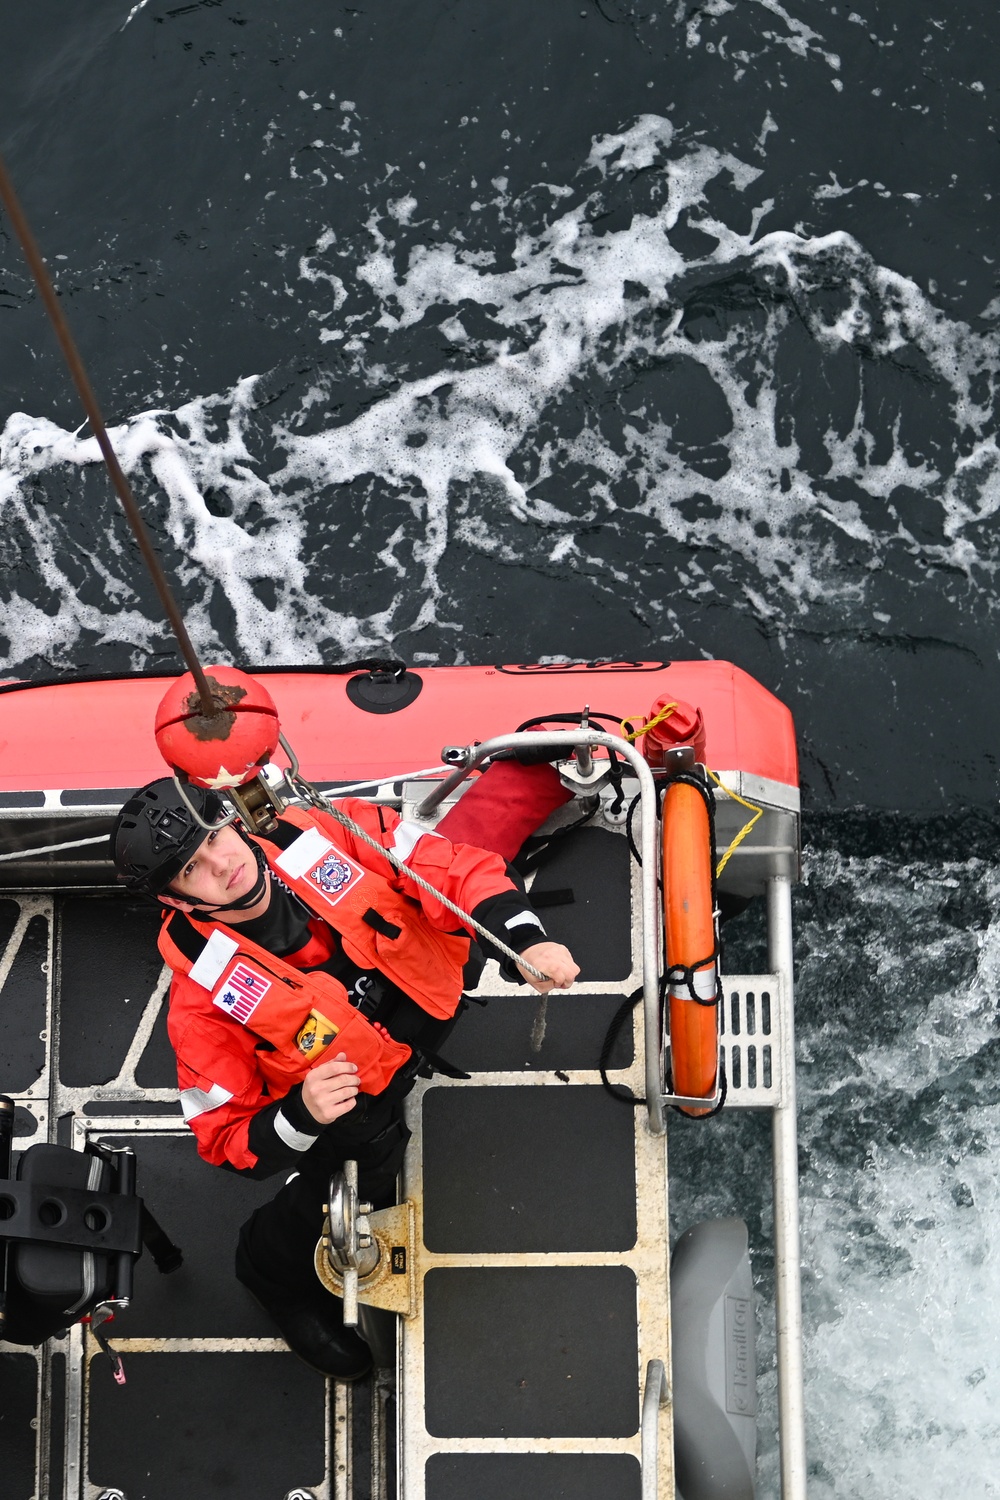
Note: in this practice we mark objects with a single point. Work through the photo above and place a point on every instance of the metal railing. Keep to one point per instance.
(466, 760)
(655, 1395)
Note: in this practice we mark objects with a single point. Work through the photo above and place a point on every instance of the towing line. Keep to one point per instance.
(71, 354)
(312, 795)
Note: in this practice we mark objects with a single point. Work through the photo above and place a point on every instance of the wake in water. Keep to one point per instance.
(900, 1133)
(897, 978)
(621, 380)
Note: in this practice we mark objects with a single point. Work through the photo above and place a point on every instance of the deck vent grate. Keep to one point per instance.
(752, 1043)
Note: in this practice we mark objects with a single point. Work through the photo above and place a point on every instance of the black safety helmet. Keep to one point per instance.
(155, 835)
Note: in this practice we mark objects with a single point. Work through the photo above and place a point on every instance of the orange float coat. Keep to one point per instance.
(230, 1068)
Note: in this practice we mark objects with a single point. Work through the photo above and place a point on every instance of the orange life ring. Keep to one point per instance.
(690, 938)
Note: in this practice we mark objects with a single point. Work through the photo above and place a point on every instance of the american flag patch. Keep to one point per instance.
(241, 993)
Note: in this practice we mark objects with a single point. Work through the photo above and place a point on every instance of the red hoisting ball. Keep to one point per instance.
(230, 747)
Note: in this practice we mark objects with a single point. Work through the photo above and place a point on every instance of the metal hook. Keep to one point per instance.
(196, 815)
(293, 758)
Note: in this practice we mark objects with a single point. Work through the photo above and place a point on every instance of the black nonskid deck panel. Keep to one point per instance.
(104, 946)
(18, 1419)
(594, 864)
(539, 1168)
(22, 1026)
(531, 1351)
(498, 1037)
(533, 1476)
(200, 1425)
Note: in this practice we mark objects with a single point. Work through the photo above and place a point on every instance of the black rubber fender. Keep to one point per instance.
(714, 1363)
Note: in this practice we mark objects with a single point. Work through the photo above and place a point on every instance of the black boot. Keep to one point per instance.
(310, 1320)
(318, 1336)
(277, 1245)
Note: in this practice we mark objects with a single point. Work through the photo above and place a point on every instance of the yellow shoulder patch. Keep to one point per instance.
(316, 1034)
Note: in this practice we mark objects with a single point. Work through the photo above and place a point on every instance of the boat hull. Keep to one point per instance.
(96, 735)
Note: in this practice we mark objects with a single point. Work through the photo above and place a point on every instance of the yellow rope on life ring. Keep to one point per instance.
(634, 734)
(758, 813)
(631, 735)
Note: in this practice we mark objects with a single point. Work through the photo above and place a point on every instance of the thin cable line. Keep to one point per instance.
(71, 354)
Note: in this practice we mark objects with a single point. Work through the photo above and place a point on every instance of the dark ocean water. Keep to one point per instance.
(585, 327)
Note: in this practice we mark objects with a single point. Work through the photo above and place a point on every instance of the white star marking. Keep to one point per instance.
(224, 779)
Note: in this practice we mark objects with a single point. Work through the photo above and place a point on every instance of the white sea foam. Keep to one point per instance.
(493, 452)
(900, 1215)
(795, 520)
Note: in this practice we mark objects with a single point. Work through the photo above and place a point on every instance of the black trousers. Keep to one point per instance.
(277, 1244)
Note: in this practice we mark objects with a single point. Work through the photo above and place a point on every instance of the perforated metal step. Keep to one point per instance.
(754, 1045)
(753, 1042)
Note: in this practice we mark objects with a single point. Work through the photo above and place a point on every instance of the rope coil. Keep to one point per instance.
(631, 735)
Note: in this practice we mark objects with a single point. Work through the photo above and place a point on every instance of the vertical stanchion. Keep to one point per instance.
(655, 1395)
(788, 1294)
(6, 1139)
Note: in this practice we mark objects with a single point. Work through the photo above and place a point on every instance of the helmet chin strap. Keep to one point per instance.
(252, 896)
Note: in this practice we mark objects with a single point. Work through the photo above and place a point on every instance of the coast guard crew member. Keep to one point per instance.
(311, 980)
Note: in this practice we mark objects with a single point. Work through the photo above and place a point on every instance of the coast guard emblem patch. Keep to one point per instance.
(335, 874)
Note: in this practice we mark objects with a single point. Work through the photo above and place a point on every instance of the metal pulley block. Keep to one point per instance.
(366, 1257)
